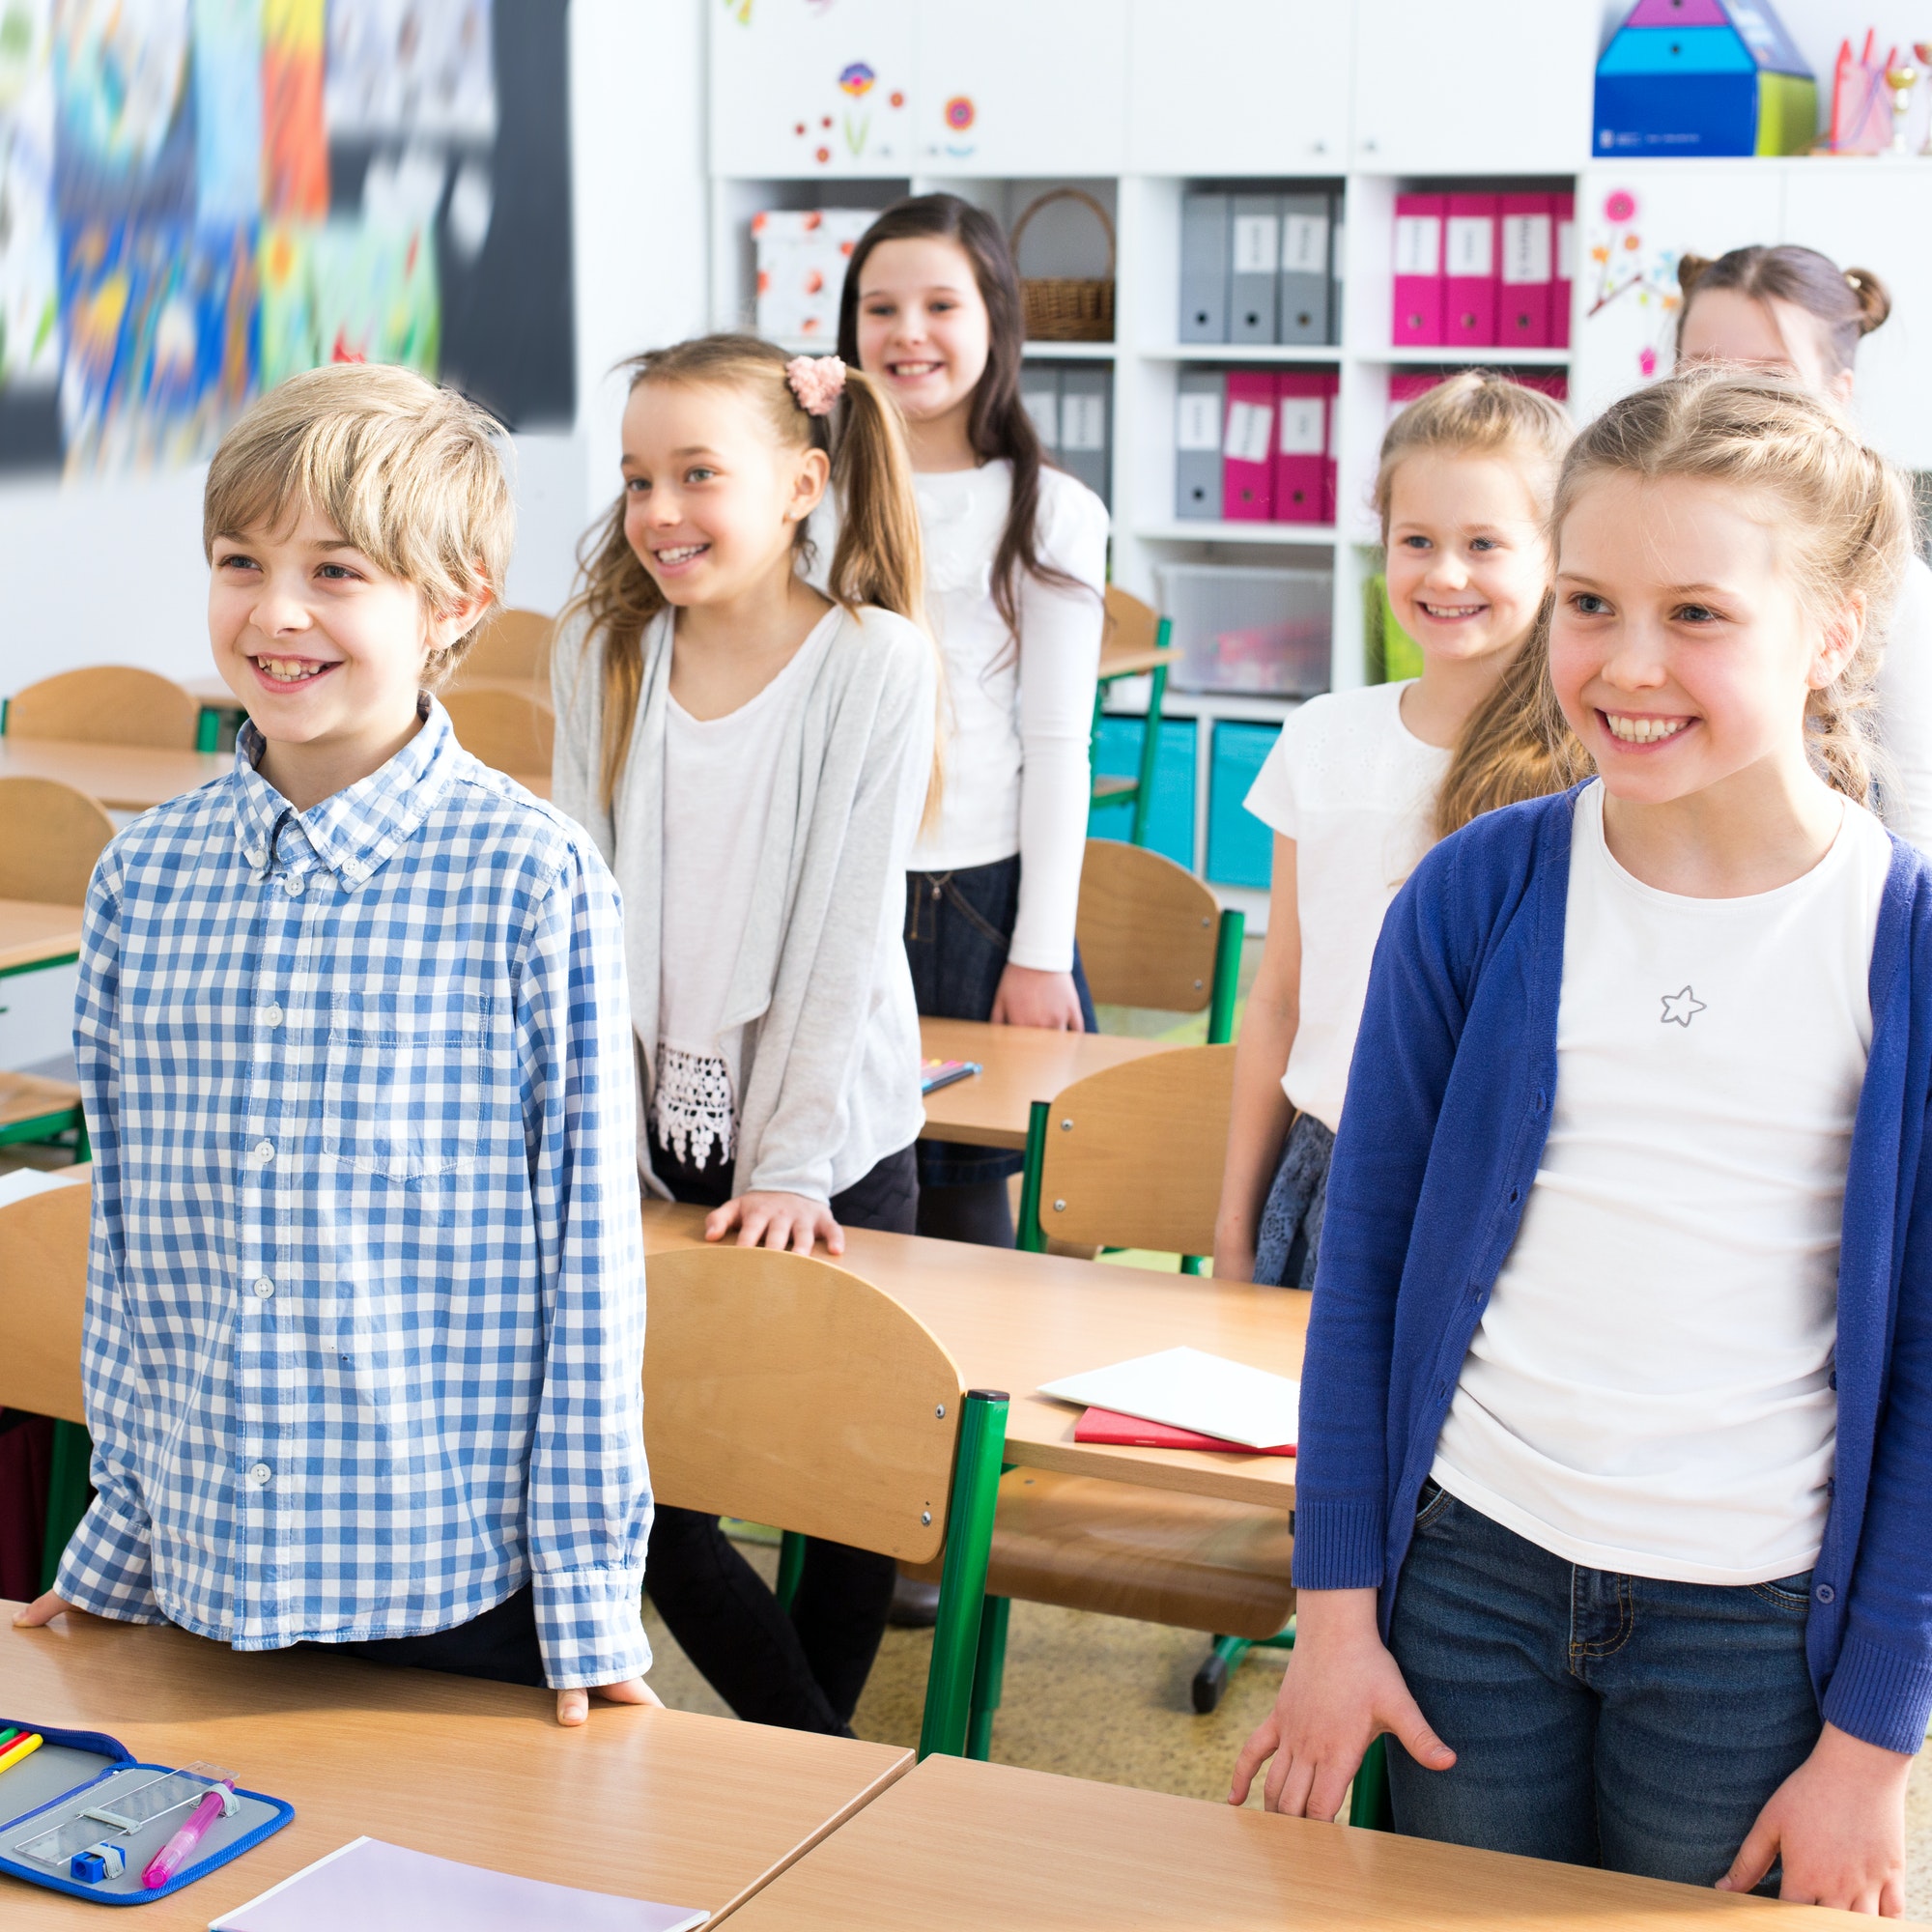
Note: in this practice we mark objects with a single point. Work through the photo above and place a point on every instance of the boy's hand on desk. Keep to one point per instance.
(44, 1609)
(1028, 997)
(780, 1221)
(1838, 1822)
(1342, 1692)
(573, 1707)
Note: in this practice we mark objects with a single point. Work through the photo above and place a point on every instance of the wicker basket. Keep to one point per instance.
(1066, 308)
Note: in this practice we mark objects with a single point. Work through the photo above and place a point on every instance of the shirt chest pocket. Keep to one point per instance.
(415, 1081)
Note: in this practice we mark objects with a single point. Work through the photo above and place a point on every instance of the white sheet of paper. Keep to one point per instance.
(1187, 1388)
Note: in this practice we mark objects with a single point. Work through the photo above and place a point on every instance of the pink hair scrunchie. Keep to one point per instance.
(817, 381)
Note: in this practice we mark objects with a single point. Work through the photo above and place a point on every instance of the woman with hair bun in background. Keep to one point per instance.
(1796, 311)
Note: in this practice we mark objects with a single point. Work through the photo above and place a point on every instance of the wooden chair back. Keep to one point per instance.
(1147, 929)
(511, 643)
(108, 704)
(1130, 625)
(50, 836)
(511, 731)
(42, 1294)
(780, 1388)
(1133, 1155)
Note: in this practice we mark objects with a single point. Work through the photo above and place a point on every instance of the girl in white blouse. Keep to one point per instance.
(1016, 562)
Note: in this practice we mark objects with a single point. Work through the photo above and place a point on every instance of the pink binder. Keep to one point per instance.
(1526, 264)
(1419, 290)
(1469, 270)
(1564, 214)
(1248, 448)
(1301, 448)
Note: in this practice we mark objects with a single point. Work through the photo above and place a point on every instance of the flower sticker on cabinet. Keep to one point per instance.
(959, 115)
(1630, 297)
(852, 125)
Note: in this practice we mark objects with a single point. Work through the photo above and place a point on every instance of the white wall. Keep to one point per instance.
(112, 571)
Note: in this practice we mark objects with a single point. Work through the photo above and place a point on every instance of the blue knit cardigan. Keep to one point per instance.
(1449, 1098)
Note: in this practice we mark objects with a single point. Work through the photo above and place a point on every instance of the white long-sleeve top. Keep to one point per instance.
(1014, 725)
(1905, 710)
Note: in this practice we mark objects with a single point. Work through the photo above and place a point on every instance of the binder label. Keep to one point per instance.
(1197, 420)
(1471, 245)
(1304, 421)
(1418, 244)
(1526, 248)
(1304, 244)
(1083, 422)
(1043, 406)
(1248, 427)
(1254, 244)
(1566, 251)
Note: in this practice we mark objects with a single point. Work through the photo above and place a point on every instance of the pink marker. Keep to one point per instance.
(172, 1856)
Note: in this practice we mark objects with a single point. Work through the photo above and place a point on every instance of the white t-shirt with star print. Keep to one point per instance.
(1650, 1388)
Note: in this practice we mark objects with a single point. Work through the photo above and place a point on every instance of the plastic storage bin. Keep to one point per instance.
(1117, 754)
(1240, 848)
(1265, 631)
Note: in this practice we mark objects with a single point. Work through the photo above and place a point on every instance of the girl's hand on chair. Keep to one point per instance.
(778, 1221)
(44, 1609)
(1342, 1691)
(1030, 998)
(1838, 1823)
(573, 1707)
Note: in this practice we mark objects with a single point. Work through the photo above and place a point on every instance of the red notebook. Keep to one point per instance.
(1102, 1424)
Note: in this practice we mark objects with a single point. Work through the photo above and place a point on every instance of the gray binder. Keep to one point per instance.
(1085, 435)
(1253, 265)
(1337, 231)
(1040, 397)
(1198, 411)
(1204, 267)
(1304, 268)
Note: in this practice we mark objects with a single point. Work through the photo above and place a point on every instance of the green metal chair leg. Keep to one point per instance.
(1227, 978)
(962, 1583)
(1368, 1802)
(989, 1676)
(791, 1567)
(1032, 1236)
(69, 1493)
(1150, 744)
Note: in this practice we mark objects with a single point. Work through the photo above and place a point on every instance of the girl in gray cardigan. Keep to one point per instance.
(752, 759)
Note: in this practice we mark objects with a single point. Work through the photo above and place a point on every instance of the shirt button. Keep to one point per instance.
(265, 1151)
(1825, 1593)
(259, 1475)
(263, 1287)
(291, 884)
(354, 867)
(272, 1016)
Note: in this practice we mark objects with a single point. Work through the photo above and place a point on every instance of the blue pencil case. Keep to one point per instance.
(84, 1817)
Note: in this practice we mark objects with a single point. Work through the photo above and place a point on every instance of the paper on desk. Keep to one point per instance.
(1187, 1388)
(374, 1886)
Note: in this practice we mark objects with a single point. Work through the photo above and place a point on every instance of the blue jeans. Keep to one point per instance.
(1597, 1718)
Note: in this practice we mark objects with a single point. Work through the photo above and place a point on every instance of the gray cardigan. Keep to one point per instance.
(829, 1083)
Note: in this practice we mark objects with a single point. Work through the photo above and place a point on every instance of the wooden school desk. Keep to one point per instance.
(1013, 1321)
(957, 1845)
(33, 935)
(124, 777)
(660, 1805)
(1022, 1065)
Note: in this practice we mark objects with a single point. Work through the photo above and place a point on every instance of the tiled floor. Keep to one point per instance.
(1098, 1697)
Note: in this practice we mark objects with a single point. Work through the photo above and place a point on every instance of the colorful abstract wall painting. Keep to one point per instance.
(199, 198)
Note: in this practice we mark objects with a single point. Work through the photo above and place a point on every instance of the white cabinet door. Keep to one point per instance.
(1242, 86)
(1020, 87)
(1473, 86)
(1877, 218)
(798, 88)
(1633, 220)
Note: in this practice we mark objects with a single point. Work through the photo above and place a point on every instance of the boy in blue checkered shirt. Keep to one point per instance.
(365, 1304)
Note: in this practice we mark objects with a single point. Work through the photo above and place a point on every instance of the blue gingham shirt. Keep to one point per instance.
(365, 1313)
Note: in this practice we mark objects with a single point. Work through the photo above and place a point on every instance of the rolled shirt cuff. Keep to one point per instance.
(590, 1627)
(107, 1567)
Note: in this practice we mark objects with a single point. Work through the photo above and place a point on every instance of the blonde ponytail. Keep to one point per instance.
(880, 557)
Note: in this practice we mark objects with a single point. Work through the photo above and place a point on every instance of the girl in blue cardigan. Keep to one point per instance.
(1617, 1408)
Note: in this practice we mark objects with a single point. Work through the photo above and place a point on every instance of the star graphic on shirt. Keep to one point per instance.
(1681, 1009)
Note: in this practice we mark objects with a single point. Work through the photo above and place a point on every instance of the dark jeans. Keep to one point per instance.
(958, 926)
(803, 1670)
(1289, 1243)
(1597, 1718)
(500, 1644)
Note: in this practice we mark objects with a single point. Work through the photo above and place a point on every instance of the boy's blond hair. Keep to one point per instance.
(411, 473)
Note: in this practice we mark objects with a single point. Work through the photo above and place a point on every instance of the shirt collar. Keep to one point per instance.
(355, 830)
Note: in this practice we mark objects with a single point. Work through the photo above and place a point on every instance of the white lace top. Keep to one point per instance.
(718, 779)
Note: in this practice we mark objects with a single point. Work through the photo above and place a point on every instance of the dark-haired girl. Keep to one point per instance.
(1796, 311)
(1015, 561)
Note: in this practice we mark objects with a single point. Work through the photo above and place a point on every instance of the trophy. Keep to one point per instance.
(1901, 79)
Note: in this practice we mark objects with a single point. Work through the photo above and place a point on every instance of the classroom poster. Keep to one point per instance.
(346, 292)
(124, 109)
(29, 238)
(295, 152)
(399, 67)
(228, 109)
